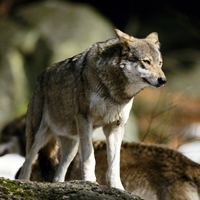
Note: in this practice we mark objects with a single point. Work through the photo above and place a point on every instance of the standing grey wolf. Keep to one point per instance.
(93, 89)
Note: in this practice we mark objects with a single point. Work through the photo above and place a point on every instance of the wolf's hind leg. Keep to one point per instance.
(179, 190)
(69, 147)
(26, 168)
(41, 138)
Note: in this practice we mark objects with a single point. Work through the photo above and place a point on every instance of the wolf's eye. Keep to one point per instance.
(132, 59)
(147, 62)
(160, 63)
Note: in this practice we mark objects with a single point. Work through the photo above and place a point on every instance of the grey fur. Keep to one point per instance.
(92, 89)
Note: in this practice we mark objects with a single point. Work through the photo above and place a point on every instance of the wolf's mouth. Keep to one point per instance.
(146, 81)
(157, 85)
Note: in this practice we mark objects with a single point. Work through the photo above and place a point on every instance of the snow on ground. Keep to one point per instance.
(191, 150)
(10, 164)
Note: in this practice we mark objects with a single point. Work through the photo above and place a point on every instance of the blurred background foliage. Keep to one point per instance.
(36, 33)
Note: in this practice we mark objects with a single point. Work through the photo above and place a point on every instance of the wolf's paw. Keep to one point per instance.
(94, 182)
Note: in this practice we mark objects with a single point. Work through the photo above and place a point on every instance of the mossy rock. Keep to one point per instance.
(73, 190)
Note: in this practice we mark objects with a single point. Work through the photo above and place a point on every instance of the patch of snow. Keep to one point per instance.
(10, 164)
(191, 150)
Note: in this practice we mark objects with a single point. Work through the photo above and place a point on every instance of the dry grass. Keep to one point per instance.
(164, 117)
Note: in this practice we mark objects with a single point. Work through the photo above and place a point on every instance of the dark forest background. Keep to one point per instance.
(34, 34)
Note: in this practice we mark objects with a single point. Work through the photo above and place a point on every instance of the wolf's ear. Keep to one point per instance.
(125, 39)
(154, 38)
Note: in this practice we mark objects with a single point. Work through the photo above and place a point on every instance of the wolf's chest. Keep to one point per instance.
(103, 111)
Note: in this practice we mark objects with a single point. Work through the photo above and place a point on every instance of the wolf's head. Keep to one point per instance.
(142, 60)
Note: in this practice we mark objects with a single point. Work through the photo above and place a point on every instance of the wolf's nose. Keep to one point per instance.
(162, 80)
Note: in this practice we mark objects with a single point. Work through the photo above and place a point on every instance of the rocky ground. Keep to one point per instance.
(73, 190)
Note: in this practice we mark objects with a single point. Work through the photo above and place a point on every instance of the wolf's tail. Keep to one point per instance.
(34, 114)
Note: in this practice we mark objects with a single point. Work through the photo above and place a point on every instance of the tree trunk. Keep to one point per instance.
(73, 190)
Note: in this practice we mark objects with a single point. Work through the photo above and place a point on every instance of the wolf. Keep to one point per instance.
(151, 171)
(12, 137)
(93, 89)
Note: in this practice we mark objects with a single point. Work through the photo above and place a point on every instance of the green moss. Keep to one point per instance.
(12, 185)
(15, 189)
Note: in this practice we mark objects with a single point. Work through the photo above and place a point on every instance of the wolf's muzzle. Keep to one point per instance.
(162, 81)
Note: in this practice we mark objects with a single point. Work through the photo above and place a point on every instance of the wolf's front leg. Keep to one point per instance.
(114, 134)
(85, 131)
(68, 149)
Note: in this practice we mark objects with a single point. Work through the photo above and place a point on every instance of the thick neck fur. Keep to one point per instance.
(101, 70)
(106, 74)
